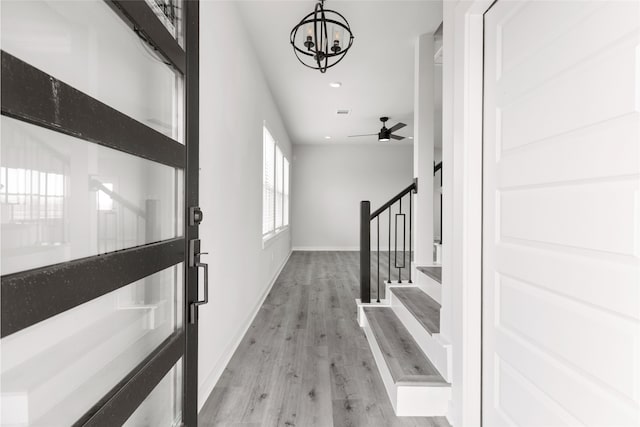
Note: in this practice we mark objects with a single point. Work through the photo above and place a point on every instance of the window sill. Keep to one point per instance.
(268, 239)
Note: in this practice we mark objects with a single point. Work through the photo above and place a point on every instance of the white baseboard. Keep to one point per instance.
(210, 382)
(326, 248)
(336, 248)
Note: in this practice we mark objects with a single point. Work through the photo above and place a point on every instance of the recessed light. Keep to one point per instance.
(410, 137)
(335, 84)
(327, 137)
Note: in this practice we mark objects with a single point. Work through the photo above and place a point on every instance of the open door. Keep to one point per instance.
(99, 195)
(561, 275)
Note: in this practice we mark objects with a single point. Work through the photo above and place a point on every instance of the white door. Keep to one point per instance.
(561, 197)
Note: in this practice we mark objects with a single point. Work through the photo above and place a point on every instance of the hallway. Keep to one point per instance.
(305, 361)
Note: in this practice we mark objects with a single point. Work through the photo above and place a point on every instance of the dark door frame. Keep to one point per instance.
(33, 96)
(192, 126)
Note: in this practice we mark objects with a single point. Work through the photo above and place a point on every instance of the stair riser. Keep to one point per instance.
(430, 286)
(439, 353)
(422, 401)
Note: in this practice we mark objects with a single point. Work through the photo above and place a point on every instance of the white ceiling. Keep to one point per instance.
(376, 74)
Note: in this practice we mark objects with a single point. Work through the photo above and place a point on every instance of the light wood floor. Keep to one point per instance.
(305, 361)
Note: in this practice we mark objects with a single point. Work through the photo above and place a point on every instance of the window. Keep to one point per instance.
(275, 187)
(268, 181)
(285, 200)
(32, 195)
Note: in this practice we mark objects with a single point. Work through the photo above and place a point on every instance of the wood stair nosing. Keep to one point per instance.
(406, 361)
(425, 309)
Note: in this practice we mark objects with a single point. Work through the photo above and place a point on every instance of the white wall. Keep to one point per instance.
(234, 101)
(329, 181)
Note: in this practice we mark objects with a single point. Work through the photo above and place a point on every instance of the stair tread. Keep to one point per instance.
(406, 361)
(78, 400)
(425, 309)
(435, 272)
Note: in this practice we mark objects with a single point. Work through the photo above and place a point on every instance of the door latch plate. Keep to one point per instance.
(194, 252)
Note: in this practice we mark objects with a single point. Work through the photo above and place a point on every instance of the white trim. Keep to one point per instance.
(462, 263)
(204, 391)
(268, 238)
(337, 249)
(326, 248)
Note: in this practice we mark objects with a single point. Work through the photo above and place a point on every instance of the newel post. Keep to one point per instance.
(365, 251)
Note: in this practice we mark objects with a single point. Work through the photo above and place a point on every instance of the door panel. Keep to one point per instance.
(97, 173)
(163, 406)
(86, 45)
(63, 198)
(56, 370)
(561, 220)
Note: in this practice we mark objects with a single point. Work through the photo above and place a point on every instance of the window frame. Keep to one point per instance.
(283, 187)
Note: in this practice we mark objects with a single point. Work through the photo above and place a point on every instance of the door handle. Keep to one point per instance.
(193, 307)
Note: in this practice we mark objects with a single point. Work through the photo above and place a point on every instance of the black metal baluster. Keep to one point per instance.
(378, 224)
(404, 239)
(389, 274)
(365, 233)
(399, 268)
(365, 251)
(410, 232)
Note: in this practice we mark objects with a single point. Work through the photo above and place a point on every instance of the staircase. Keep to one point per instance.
(403, 328)
(43, 386)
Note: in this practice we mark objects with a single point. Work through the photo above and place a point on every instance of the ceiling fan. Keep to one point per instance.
(385, 134)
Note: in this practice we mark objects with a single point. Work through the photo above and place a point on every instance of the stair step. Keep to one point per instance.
(435, 272)
(425, 309)
(404, 358)
(49, 381)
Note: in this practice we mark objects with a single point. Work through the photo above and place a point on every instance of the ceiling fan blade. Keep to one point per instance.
(366, 134)
(397, 137)
(396, 127)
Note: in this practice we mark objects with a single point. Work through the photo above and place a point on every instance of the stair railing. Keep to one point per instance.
(366, 218)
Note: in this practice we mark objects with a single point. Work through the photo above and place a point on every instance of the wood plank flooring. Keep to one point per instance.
(304, 360)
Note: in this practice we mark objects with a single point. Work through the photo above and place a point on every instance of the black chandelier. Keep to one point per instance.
(312, 43)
